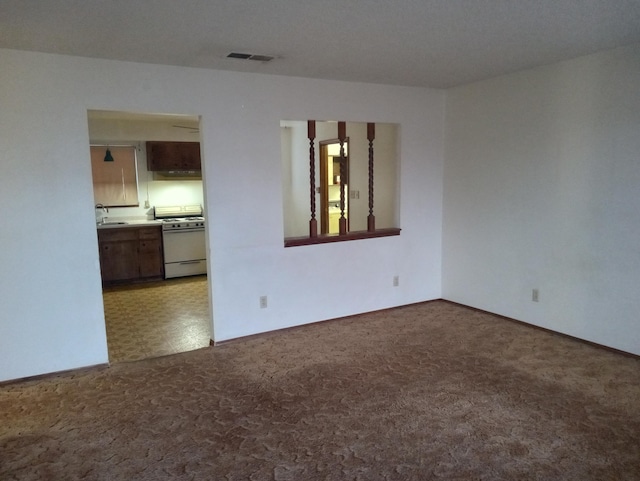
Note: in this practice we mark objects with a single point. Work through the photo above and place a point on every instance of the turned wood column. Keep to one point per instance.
(342, 135)
(371, 135)
(311, 134)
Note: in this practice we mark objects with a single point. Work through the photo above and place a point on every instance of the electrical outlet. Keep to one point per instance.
(535, 295)
(146, 204)
(396, 281)
(263, 302)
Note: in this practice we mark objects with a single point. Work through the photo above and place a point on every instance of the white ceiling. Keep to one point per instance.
(430, 43)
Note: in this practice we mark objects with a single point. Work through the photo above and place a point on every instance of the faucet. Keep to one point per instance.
(100, 215)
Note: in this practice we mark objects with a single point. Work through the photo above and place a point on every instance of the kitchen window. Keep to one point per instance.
(114, 181)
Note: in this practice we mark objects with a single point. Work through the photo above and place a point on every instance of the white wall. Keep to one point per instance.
(52, 316)
(295, 179)
(542, 190)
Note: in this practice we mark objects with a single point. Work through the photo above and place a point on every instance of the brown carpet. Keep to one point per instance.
(429, 391)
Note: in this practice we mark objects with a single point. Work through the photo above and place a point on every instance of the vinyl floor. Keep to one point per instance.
(156, 319)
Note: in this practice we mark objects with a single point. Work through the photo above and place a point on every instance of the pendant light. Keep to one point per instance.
(107, 156)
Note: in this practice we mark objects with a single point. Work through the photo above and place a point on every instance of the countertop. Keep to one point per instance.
(114, 222)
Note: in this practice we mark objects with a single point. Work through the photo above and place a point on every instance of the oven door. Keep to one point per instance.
(185, 252)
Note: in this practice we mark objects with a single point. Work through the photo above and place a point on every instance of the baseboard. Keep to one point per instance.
(545, 329)
(48, 375)
(334, 319)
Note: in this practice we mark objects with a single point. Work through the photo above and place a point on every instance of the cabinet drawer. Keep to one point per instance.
(150, 233)
(114, 235)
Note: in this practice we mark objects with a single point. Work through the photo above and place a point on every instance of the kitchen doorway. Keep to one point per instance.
(155, 315)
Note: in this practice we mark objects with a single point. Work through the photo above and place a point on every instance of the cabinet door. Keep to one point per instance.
(119, 260)
(190, 156)
(150, 258)
(173, 156)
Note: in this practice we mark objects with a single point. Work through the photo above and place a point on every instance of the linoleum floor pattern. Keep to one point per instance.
(156, 319)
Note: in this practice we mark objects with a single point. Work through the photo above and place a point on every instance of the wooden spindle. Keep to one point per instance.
(371, 135)
(342, 135)
(311, 134)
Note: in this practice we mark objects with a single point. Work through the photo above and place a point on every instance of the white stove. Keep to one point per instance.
(183, 236)
(174, 223)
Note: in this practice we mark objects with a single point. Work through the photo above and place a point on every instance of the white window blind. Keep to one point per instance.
(114, 183)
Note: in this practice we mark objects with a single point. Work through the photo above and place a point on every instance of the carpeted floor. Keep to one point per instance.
(429, 391)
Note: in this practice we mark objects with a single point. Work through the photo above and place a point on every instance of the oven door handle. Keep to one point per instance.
(190, 262)
(181, 231)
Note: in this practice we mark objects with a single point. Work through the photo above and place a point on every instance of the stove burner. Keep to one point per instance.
(188, 217)
(183, 223)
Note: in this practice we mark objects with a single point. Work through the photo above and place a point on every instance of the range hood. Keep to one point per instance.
(178, 175)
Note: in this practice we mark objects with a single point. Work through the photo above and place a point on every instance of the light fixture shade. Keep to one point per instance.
(108, 157)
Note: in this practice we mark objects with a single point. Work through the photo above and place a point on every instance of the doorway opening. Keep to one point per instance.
(334, 185)
(148, 315)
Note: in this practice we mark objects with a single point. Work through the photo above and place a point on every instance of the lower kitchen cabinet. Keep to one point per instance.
(130, 254)
(150, 256)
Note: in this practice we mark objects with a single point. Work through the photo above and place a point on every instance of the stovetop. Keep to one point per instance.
(180, 217)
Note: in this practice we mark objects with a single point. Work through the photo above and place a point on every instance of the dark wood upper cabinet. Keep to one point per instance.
(173, 156)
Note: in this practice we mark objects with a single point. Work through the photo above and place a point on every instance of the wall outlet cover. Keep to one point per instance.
(535, 295)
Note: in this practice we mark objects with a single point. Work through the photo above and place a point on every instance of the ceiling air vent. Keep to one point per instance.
(250, 56)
